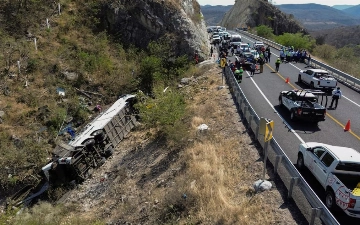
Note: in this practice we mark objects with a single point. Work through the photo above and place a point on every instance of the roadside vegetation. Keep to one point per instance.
(345, 58)
(74, 56)
(87, 64)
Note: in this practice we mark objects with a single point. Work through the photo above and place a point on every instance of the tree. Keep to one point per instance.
(298, 40)
(265, 31)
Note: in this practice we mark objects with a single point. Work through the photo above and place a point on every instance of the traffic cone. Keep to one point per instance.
(287, 80)
(347, 126)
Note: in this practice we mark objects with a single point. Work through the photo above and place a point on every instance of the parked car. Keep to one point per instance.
(317, 78)
(235, 40)
(338, 171)
(258, 44)
(304, 104)
(216, 39)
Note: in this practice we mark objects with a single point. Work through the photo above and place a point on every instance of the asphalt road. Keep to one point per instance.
(262, 91)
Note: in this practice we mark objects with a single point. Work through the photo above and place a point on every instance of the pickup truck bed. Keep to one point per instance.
(350, 181)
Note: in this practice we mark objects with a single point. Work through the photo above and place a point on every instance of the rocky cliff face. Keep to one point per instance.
(140, 21)
(252, 13)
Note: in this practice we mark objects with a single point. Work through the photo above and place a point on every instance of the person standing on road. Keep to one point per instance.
(277, 64)
(309, 61)
(268, 52)
(232, 50)
(261, 62)
(336, 95)
(252, 69)
(266, 56)
(238, 74)
(211, 51)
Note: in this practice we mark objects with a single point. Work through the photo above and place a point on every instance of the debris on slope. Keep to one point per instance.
(149, 182)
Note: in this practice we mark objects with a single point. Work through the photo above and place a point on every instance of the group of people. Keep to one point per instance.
(289, 54)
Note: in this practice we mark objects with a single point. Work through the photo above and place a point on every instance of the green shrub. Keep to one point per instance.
(298, 40)
(163, 111)
(326, 52)
(265, 32)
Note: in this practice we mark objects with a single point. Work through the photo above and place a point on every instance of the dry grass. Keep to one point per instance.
(46, 214)
(221, 163)
(209, 181)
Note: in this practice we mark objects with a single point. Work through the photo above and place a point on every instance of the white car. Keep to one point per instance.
(258, 44)
(338, 171)
(255, 54)
(317, 78)
(216, 39)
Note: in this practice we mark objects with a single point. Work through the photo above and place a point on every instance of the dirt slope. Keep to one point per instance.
(206, 181)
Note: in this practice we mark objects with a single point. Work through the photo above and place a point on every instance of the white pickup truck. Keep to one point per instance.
(338, 171)
(317, 78)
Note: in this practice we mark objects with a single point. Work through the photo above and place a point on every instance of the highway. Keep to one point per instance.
(262, 91)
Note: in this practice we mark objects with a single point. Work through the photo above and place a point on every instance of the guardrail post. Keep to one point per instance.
(266, 144)
(257, 132)
(251, 117)
(277, 162)
(315, 212)
(246, 108)
(293, 182)
(239, 101)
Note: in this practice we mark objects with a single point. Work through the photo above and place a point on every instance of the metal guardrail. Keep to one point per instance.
(298, 189)
(342, 77)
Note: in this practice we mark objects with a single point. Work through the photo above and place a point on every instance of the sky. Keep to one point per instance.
(279, 2)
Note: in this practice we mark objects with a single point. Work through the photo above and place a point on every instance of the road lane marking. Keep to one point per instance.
(358, 105)
(327, 114)
(351, 101)
(271, 105)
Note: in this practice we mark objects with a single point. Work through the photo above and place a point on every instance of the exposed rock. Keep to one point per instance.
(139, 22)
(203, 127)
(262, 185)
(185, 81)
(70, 75)
(252, 13)
(2, 113)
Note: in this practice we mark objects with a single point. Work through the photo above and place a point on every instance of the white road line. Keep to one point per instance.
(342, 96)
(267, 100)
(351, 101)
(358, 105)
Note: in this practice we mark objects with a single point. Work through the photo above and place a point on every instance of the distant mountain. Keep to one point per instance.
(214, 14)
(339, 37)
(315, 16)
(353, 11)
(342, 7)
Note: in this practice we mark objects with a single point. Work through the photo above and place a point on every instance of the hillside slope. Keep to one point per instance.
(252, 13)
(340, 36)
(353, 11)
(93, 52)
(315, 16)
(341, 7)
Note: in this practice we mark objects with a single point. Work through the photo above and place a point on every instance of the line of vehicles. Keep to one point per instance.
(310, 104)
(74, 162)
(336, 168)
